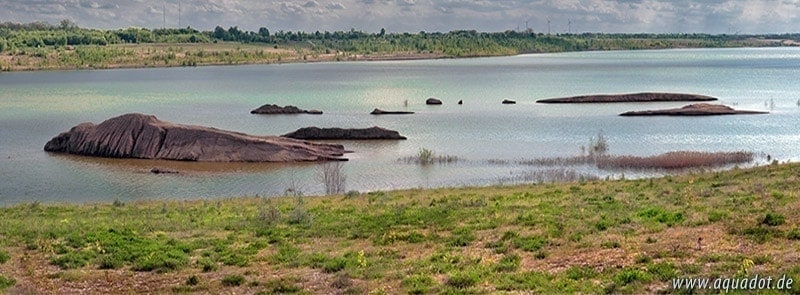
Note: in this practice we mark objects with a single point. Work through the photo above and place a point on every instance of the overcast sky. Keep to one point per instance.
(652, 16)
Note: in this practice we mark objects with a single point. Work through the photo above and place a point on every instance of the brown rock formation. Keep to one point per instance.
(382, 112)
(272, 109)
(698, 109)
(146, 137)
(631, 97)
(315, 133)
(433, 101)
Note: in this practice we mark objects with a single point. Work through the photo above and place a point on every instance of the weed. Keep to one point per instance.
(462, 237)
(529, 243)
(793, 234)
(580, 273)
(192, 280)
(462, 280)
(6, 282)
(418, 284)
(4, 256)
(629, 276)
(232, 280)
(610, 245)
(508, 263)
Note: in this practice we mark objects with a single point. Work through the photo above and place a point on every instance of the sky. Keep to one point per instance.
(565, 16)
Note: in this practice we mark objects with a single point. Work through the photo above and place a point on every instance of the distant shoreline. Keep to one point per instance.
(169, 55)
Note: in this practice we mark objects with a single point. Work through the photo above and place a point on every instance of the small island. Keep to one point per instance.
(273, 109)
(629, 97)
(698, 109)
(145, 137)
(382, 112)
(316, 133)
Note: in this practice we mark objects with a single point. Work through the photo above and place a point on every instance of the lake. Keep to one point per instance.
(482, 133)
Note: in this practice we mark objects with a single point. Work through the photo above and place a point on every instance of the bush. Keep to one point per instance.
(629, 276)
(3, 256)
(232, 280)
(793, 234)
(192, 281)
(773, 219)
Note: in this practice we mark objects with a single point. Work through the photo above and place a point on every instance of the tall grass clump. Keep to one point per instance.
(676, 160)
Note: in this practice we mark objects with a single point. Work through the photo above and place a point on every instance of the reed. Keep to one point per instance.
(675, 160)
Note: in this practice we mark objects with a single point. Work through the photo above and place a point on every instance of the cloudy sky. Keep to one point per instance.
(655, 16)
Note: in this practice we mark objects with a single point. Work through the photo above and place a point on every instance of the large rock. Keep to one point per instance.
(272, 109)
(630, 97)
(698, 109)
(382, 112)
(315, 133)
(433, 101)
(144, 136)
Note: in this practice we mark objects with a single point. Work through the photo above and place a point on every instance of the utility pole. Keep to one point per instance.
(548, 26)
(569, 26)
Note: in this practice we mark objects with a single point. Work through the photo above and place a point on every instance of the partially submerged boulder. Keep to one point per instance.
(382, 112)
(315, 133)
(629, 97)
(433, 101)
(273, 109)
(146, 137)
(508, 101)
(698, 109)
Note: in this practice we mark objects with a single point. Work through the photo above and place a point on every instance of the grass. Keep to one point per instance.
(621, 236)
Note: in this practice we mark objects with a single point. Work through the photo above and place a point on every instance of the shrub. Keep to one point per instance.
(3, 256)
(332, 176)
(232, 280)
(793, 234)
(530, 243)
(773, 219)
(462, 237)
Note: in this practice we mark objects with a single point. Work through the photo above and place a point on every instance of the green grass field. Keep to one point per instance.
(625, 236)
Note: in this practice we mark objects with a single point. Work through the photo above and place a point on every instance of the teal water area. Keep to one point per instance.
(36, 106)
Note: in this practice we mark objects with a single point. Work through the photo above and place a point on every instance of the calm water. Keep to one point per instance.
(35, 106)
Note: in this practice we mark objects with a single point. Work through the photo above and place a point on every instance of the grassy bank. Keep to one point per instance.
(40, 46)
(628, 236)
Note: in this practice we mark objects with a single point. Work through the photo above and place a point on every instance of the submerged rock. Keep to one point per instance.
(630, 97)
(316, 133)
(382, 112)
(508, 101)
(272, 109)
(433, 101)
(698, 109)
(146, 137)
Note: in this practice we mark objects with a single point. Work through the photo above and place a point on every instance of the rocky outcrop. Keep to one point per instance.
(630, 97)
(382, 112)
(315, 133)
(698, 109)
(508, 101)
(433, 101)
(273, 109)
(146, 137)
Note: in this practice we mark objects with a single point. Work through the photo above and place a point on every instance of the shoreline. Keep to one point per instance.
(181, 55)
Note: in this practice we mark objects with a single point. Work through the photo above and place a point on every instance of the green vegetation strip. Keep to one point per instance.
(627, 236)
(39, 45)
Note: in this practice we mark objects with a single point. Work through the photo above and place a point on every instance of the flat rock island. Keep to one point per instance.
(698, 109)
(629, 97)
(146, 137)
(316, 133)
(273, 109)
